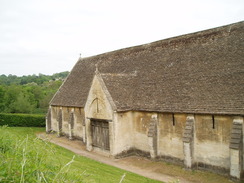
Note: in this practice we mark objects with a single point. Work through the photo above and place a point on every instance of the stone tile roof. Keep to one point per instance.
(201, 72)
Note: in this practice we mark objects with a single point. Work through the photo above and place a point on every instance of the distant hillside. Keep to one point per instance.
(28, 94)
(38, 79)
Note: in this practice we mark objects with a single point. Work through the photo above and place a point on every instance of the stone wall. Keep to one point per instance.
(212, 140)
(64, 113)
(141, 121)
(65, 120)
(79, 123)
(197, 141)
(124, 134)
(170, 133)
(54, 118)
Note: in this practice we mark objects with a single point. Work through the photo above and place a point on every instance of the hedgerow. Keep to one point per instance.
(22, 120)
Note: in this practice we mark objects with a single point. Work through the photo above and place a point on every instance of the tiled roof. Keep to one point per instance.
(201, 72)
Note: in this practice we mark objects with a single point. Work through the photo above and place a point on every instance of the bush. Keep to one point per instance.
(22, 120)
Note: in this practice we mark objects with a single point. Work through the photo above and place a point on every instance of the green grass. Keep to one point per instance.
(25, 158)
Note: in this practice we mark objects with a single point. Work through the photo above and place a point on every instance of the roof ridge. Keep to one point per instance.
(175, 39)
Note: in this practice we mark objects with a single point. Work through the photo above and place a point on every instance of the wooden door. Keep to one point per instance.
(100, 134)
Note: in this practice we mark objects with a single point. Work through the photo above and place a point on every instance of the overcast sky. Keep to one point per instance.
(47, 36)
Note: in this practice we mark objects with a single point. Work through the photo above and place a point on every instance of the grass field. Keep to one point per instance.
(25, 158)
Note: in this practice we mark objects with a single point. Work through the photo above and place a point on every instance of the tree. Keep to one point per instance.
(22, 104)
(2, 93)
(28, 94)
(10, 96)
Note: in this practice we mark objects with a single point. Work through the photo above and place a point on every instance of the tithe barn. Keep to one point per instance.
(180, 99)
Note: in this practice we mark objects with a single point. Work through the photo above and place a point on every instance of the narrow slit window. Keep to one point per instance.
(173, 119)
(213, 121)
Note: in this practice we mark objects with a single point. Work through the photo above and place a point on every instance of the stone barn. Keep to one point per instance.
(180, 100)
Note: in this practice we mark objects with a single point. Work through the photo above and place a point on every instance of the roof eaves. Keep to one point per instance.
(181, 112)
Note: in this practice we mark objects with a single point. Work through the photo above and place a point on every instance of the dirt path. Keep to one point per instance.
(138, 165)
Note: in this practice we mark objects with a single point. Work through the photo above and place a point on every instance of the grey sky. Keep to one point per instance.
(47, 36)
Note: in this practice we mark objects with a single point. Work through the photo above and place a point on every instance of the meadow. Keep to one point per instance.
(25, 158)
